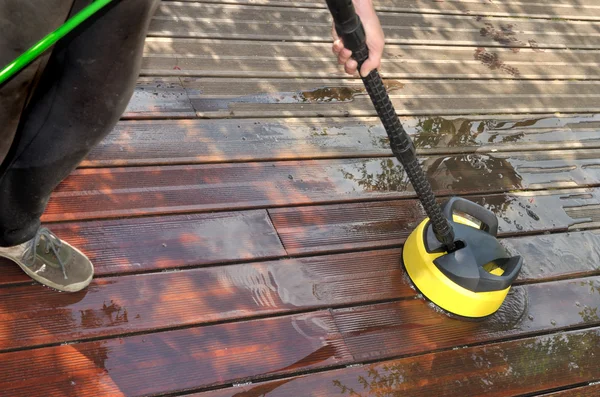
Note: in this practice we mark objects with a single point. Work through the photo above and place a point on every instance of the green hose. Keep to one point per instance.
(41, 46)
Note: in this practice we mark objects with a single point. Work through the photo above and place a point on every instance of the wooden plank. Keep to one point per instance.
(159, 97)
(580, 10)
(502, 369)
(175, 360)
(180, 19)
(585, 391)
(339, 227)
(116, 192)
(234, 58)
(194, 358)
(171, 142)
(412, 327)
(224, 97)
(139, 244)
(33, 315)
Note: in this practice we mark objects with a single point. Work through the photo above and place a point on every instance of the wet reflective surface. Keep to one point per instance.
(194, 141)
(243, 313)
(526, 366)
(181, 359)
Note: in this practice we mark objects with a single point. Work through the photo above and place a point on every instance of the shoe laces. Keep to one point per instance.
(51, 243)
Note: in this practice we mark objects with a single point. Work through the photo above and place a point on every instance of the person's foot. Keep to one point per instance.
(52, 262)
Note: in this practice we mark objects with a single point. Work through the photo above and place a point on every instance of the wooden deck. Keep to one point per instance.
(246, 218)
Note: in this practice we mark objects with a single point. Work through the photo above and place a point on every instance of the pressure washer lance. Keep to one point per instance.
(456, 261)
(352, 33)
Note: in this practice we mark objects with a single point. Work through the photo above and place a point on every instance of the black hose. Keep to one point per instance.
(351, 31)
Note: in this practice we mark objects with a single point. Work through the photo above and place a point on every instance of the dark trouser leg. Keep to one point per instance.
(84, 89)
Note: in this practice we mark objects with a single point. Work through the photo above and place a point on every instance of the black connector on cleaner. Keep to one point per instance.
(350, 29)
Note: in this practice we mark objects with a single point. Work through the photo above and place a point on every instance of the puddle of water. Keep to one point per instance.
(557, 254)
(435, 132)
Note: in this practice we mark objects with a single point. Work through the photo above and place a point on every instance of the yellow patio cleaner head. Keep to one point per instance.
(453, 257)
(473, 279)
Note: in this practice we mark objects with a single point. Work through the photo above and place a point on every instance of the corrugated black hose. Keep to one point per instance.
(351, 31)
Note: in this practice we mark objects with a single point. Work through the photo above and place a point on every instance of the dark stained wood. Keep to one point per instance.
(107, 193)
(164, 142)
(410, 327)
(503, 369)
(138, 244)
(291, 24)
(206, 320)
(175, 360)
(235, 58)
(33, 315)
(221, 354)
(331, 228)
(585, 391)
(577, 10)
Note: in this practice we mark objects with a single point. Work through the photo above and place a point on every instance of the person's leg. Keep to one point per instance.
(84, 89)
(22, 23)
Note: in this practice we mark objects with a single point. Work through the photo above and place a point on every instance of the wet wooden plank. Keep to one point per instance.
(411, 327)
(341, 227)
(179, 19)
(170, 142)
(235, 58)
(33, 315)
(502, 369)
(159, 97)
(585, 391)
(138, 244)
(175, 360)
(115, 192)
(579, 10)
(233, 352)
(224, 97)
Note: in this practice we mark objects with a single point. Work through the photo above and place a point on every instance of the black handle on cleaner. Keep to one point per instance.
(350, 30)
(489, 222)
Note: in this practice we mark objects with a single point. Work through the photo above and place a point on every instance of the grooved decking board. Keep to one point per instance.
(501, 369)
(233, 58)
(380, 224)
(159, 97)
(175, 360)
(578, 10)
(166, 142)
(180, 19)
(33, 315)
(214, 97)
(585, 391)
(114, 192)
(137, 244)
(197, 357)
(409, 327)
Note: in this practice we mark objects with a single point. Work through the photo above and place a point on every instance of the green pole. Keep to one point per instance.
(41, 46)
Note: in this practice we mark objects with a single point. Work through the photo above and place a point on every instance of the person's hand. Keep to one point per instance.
(375, 40)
